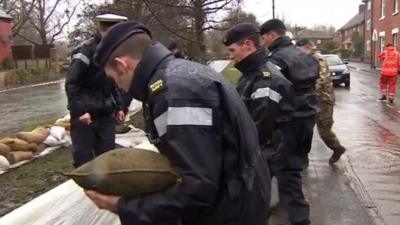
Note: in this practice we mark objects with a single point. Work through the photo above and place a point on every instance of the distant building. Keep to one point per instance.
(368, 30)
(5, 36)
(356, 24)
(318, 37)
(385, 26)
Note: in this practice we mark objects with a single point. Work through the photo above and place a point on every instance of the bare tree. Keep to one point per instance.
(49, 19)
(200, 14)
(188, 20)
(214, 37)
(20, 10)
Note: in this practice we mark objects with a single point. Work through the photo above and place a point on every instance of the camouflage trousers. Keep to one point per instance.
(324, 125)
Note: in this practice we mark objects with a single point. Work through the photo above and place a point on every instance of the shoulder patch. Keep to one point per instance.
(266, 74)
(156, 86)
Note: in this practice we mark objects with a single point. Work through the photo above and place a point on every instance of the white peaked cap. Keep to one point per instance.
(111, 18)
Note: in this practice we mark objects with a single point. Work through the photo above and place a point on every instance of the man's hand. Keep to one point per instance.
(86, 118)
(107, 202)
(120, 117)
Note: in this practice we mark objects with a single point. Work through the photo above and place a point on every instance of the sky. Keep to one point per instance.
(305, 12)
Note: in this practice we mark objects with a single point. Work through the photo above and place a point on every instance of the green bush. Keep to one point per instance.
(7, 64)
(31, 75)
(23, 76)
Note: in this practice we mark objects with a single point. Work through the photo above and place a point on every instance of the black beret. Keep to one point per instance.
(239, 32)
(114, 37)
(272, 25)
(303, 42)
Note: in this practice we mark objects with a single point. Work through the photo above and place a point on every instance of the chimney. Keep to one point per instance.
(361, 8)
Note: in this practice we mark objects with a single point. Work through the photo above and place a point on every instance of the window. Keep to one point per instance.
(368, 25)
(382, 43)
(395, 6)
(333, 60)
(369, 5)
(396, 40)
(383, 9)
(368, 46)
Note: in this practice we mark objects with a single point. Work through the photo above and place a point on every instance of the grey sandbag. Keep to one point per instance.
(126, 172)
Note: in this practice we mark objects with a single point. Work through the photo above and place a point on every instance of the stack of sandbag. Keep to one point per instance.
(19, 150)
(37, 136)
(64, 122)
(126, 172)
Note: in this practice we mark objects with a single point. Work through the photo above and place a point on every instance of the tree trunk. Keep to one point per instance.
(199, 17)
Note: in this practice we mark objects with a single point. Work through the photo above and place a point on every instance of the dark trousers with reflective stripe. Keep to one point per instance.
(296, 145)
(92, 140)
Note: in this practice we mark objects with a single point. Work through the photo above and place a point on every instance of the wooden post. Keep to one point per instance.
(54, 60)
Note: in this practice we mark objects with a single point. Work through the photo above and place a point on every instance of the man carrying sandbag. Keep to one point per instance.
(94, 101)
(200, 123)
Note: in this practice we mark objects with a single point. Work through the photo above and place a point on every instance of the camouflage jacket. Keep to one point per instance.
(324, 86)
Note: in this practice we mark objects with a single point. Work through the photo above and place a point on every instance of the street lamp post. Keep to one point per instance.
(273, 9)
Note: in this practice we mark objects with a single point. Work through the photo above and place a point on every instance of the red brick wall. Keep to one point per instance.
(5, 40)
(368, 34)
(387, 24)
(348, 33)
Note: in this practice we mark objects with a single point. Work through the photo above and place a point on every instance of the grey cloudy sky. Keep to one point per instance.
(305, 12)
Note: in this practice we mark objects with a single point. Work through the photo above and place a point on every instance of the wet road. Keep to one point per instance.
(370, 130)
(22, 107)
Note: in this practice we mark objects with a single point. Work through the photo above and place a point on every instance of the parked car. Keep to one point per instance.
(340, 73)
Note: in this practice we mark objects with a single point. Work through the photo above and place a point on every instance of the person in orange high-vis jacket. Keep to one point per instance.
(390, 69)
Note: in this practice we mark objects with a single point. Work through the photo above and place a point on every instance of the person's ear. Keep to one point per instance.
(121, 62)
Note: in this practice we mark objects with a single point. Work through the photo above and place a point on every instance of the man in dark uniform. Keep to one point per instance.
(326, 102)
(267, 94)
(302, 70)
(200, 123)
(94, 101)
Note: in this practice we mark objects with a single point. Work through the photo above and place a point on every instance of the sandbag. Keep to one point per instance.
(16, 145)
(126, 172)
(58, 132)
(4, 149)
(30, 147)
(122, 129)
(4, 164)
(36, 136)
(14, 157)
(41, 148)
(66, 125)
(9, 141)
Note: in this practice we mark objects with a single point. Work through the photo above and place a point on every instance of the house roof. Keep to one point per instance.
(348, 41)
(4, 15)
(310, 34)
(356, 20)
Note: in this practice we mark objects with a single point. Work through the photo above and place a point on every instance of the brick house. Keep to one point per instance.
(368, 30)
(5, 36)
(355, 24)
(385, 26)
(318, 37)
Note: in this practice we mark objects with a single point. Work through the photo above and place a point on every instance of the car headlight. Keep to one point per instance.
(346, 71)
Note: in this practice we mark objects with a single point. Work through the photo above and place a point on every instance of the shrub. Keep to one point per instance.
(7, 64)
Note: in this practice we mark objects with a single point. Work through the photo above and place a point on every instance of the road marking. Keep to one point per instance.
(33, 85)
(389, 106)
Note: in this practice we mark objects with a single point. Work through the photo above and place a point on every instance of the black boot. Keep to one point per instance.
(391, 100)
(383, 98)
